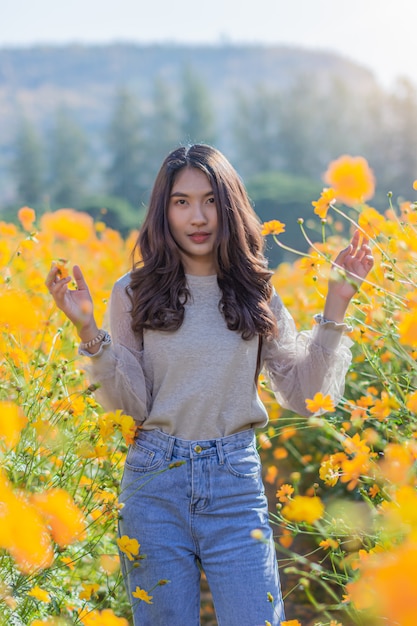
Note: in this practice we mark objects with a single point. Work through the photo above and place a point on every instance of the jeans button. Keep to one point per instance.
(198, 449)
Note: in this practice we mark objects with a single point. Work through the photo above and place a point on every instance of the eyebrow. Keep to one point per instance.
(181, 194)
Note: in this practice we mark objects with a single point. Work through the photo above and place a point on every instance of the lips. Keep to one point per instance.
(199, 237)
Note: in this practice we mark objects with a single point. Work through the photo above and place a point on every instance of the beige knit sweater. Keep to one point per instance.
(198, 382)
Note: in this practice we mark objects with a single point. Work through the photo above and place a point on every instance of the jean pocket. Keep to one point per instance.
(142, 459)
(244, 463)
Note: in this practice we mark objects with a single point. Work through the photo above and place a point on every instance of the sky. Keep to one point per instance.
(379, 34)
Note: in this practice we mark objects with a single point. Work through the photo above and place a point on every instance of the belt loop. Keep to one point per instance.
(170, 447)
(220, 452)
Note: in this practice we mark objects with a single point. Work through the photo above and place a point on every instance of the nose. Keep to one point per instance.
(198, 217)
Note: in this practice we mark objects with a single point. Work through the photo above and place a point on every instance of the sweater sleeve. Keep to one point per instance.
(301, 364)
(117, 366)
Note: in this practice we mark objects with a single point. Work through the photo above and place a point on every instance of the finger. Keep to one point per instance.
(343, 255)
(355, 241)
(52, 275)
(79, 278)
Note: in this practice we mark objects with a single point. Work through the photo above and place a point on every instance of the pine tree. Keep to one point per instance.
(126, 175)
(28, 164)
(197, 110)
(68, 163)
(164, 126)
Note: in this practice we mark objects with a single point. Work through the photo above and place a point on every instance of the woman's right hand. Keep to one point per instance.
(77, 304)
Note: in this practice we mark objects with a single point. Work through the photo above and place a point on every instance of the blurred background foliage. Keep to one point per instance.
(88, 126)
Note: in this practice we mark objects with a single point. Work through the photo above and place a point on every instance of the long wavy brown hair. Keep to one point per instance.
(158, 286)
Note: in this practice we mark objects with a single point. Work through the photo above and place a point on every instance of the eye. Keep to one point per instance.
(211, 200)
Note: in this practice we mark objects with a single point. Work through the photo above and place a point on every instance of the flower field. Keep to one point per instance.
(342, 484)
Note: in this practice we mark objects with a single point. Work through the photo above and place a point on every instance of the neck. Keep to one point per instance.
(202, 268)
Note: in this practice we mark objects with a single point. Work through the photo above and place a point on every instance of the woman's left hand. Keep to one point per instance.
(350, 268)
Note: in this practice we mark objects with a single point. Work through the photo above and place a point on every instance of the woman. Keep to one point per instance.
(191, 326)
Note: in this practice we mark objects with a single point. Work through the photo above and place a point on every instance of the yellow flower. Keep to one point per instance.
(330, 469)
(384, 406)
(411, 402)
(61, 513)
(88, 591)
(26, 217)
(320, 403)
(39, 594)
(291, 622)
(371, 222)
(322, 205)
(303, 509)
(101, 618)
(407, 328)
(12, 422)
(110, 563)
(415, 185)
(141, 594)
(128, 427)
(273, 227)
(128, 546)
(351, 178)
(68, 224)
(23, 532)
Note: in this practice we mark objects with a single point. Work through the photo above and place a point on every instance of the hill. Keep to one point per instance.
(36, 80)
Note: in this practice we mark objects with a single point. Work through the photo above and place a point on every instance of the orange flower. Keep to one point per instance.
(26, 217)
(280, 453)
(273, 227)
(291, 622)
(271, 474)
(351, 178)
(329, 544)
(322, 205)
(320, 403)
(62, 265)
(374, 490)
(285, 492)
(388, 586)
(62, 515)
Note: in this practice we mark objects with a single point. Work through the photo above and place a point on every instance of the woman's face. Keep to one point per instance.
(192, 219)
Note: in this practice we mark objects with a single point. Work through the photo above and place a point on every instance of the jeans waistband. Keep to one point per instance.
(189, 449)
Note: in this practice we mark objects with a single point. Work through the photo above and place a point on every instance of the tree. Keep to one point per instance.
(255, 130)
(164, 125)
(402, 155)
(28, 164)
(68, 163)
(127, 173)
(197, 111)
(284, 197)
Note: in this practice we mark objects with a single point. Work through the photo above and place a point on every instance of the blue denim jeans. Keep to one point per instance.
(193, 504)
